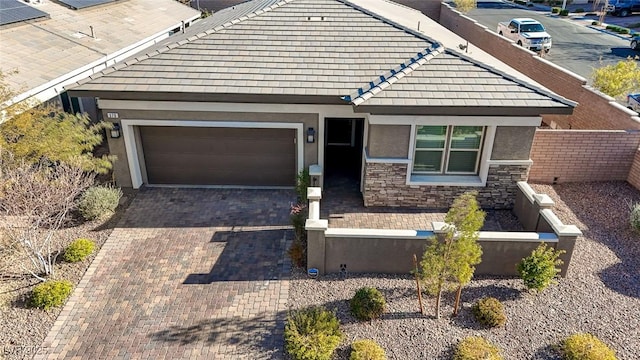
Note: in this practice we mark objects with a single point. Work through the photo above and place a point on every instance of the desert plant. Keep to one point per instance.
(555, 10)
(367, 350)
(99, 202)
(312, 334)
(634, 216)
(595, 23)
(476, 348)
(367, 304)
(585, 347)
(297, 252)
(78, 250)
(539, 269)
(489, 311)
(564, 12)
(50, 294)
(303, 181)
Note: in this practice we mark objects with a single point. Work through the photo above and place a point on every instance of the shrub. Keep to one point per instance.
(312, 334)
(585, 347)
(296, 253)
(78, 250)
(489, 311)
(624, 31)
(50, 294)
(555, 10)
(303, 181)
(367, 304)
(367, 350)
(634, 217)
(99, 201)
(538, 270)
(595, 23)
(476, 348)
(564, 12)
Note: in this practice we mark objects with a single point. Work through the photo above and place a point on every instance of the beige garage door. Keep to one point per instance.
(219, 156)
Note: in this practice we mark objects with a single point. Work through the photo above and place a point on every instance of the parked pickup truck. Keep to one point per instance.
(633, 102)
(623, 7)
(526, 32)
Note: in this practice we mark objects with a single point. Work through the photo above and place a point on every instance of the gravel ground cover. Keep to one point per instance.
(23, 329)
(600, 295)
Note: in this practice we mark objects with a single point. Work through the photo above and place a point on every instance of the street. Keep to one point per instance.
(575, 47)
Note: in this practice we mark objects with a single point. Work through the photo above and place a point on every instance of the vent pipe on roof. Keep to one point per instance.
(92, 33)
(182, 27)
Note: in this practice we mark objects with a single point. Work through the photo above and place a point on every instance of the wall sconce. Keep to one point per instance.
(311, 135)
(115, 131)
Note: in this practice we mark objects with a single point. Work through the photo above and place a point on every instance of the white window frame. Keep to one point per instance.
(446, 152)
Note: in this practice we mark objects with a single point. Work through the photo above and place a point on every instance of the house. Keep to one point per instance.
(47, 44)
(255, 93)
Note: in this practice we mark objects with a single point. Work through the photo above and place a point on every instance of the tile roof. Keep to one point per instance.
(322, 48)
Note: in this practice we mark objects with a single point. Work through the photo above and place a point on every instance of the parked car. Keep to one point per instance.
(623, 7)
(635, 42)
(526, 32)
(633, 102)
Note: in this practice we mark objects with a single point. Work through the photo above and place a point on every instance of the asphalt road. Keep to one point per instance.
(575, 47)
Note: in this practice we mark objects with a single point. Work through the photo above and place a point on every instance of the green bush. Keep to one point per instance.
(595, 23)
(555, 10)
(312, 334)
(564, 12)
(367, 350)
(303, 181)
(99, 201)
(539, 269)
(634, 217)
(624, 31)
(476, 348)
(367, 304)
(78, 250)
(50, 294)
(489, 311)
(585, 347)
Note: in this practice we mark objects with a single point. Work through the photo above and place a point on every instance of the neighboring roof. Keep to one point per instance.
(49, 52)
(320, 48)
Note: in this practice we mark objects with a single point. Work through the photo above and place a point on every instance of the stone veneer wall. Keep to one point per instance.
(385, 185)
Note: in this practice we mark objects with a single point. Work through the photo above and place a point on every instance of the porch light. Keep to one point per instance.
(115, 131)
(311, 135)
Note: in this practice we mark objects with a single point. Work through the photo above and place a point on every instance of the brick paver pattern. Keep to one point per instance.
(188, 273)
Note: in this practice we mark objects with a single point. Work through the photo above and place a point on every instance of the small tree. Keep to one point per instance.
(539, 269)
(35, 132)
(619, 79)
(449, 264)
(35, 200)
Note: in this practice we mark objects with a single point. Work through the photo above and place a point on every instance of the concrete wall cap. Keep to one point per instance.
(315, 224)
(372, 233)
(438, 226)
(543, 200)
(569, 230)
(315, 170)
(516, 236)
(526, 190)
(314, 193)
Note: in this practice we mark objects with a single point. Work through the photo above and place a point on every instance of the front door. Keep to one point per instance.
(343, 151)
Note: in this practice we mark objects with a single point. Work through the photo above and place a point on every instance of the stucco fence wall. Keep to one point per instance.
(584, 155)
(330, 250)
(595, 110)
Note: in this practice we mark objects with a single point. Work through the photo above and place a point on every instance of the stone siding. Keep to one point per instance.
(385, 185)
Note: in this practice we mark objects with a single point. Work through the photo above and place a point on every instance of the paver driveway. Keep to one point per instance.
(188, 273)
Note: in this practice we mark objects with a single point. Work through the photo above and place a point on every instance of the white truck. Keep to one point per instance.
(527, 33)
(633, 102)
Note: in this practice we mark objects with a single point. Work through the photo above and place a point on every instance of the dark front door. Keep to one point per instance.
(343, 151)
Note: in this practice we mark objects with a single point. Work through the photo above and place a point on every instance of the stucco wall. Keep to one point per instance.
(389, 141)
(385, 185)
(512, 143)
(117, 147)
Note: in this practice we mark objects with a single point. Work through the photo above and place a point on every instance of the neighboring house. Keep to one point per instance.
(55, 43)
(252, 95)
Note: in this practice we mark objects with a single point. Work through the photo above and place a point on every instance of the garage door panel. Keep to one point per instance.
(219, 156)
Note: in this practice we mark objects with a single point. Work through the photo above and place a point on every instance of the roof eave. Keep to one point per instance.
(462, 110)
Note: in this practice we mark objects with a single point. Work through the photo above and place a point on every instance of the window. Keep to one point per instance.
(448, 149)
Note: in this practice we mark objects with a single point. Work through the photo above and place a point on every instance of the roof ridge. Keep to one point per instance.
(529, 86)
(394, 74)
(172, 45)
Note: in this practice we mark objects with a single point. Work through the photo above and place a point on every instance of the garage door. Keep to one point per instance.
(219, 156)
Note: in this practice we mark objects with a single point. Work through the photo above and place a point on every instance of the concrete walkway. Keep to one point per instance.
(187, 274)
